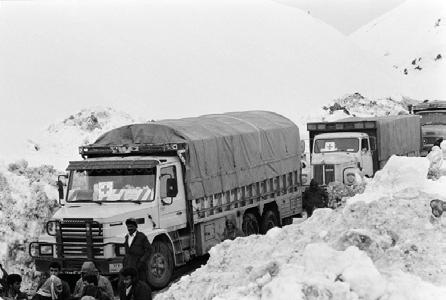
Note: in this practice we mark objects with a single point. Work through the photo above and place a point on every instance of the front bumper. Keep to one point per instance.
(73, 266)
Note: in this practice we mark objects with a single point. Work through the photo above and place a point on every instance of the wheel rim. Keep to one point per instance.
(158, 265)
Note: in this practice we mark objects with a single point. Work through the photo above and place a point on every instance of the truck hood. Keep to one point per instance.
(334, 158)
(96, 211)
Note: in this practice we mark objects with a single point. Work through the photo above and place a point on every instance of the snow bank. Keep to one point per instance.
(27, 198)
(384, 243)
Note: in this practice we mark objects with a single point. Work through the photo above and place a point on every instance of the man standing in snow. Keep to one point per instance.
(314, 197)
(137, 249)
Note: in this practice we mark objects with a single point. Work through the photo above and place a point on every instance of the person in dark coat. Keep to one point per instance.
(137, 249)
(103, 283)
(92, 289)
(13, 283)
(314, 197)
(3, 281)
(132, 288)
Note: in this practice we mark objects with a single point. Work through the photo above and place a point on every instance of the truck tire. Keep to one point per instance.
(160, 266)
(269, 220)
(250, 224)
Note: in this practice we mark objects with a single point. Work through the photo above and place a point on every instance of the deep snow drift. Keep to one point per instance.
(383, 245)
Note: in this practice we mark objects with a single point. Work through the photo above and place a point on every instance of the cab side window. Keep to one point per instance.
(364, 144)
(166, 173)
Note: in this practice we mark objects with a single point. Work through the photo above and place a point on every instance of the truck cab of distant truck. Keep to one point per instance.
(433, 122)
(342, 157)
(347, 150)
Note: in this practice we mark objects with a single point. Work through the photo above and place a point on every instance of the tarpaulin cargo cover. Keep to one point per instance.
(223, 151)
(395, 134)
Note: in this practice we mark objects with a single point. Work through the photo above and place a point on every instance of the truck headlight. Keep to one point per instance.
(52, 227)
(34, 249)
(46, 250)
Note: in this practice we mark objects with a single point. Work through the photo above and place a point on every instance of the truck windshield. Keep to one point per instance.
(336, 145)
(112, 185)
(428, 118)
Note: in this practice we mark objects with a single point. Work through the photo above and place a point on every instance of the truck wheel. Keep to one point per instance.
(250, 224)
(160, 265)
(269, 220)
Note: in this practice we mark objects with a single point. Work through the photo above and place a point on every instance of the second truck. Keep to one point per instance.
(182, 180)
(346, 150)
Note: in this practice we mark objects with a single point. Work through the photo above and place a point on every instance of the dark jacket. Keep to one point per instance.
(20, 296)
(314, 197)
(139, 291)
(96, 292)
(138, 252)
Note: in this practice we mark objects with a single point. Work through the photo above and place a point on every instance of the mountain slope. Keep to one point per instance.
(412, 40)
(168, 59)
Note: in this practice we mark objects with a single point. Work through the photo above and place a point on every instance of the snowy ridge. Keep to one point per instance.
(379, 245)
(411, 38)
(59, 143)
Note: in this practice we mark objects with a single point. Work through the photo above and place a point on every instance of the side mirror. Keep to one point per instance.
(302, 146)
(60, 186)
(171, 187)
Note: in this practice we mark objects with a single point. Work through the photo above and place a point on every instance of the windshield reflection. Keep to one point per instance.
(112, 185)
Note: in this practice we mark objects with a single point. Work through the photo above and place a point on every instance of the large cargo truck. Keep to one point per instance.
(182, 180)
(346, 150)
(433, 122)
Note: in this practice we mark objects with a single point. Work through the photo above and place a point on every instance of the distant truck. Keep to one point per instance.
(182, 180)
(433, 122)
(348, 149)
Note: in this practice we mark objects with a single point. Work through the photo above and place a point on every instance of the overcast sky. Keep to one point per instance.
(46, 68)
(345, 15)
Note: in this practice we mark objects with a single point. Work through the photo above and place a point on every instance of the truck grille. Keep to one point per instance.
(324, 174)
(429, 140)
(80, 238)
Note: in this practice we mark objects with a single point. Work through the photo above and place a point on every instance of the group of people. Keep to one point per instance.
(133, 284)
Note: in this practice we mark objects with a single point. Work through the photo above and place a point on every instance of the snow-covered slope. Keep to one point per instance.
(168, 59)
(384, 244)
(412, 39)
(59, 142)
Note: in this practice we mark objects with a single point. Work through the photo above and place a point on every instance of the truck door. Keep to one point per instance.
(366, 157)
(172, 205)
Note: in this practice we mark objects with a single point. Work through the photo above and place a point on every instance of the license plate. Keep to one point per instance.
(115, 268)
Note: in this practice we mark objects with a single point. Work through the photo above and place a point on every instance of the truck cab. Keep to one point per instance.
(101, 193)
(342, 157)
(433, 122)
